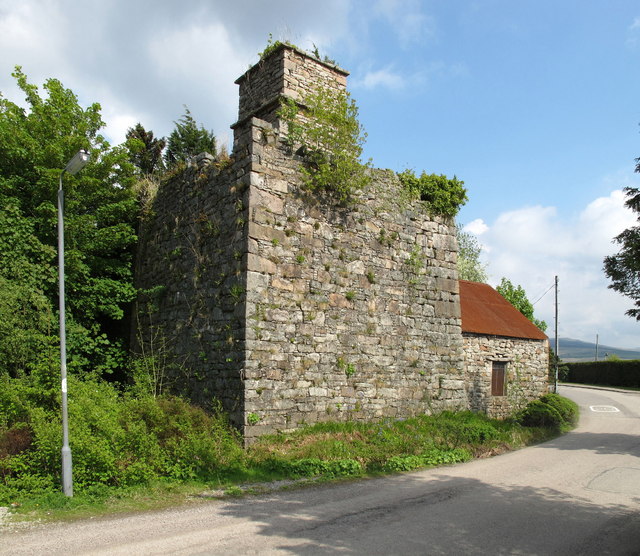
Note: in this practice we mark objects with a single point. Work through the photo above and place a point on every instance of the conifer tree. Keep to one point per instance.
(145, 150)
(187, 140)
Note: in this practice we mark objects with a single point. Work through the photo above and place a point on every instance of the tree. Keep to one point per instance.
(469, 265)
(100, 210)
(187, 140)
(518, 298)
(623, 269)
(145, 150)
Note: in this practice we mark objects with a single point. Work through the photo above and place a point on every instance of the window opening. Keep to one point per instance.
(498, 378)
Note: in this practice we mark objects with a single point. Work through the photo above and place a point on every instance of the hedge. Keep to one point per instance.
(605, 373)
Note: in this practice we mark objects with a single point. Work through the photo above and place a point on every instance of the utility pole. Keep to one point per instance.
(556, 342)
(597, 338)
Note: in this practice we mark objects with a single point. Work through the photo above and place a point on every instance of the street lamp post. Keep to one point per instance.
(76, 164)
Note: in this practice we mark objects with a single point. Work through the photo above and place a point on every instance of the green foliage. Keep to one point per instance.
(623, 269)
(145, 150)
(567, 409)
(540, 414)
(100, 211)
(253, 418)
(550, 411)
(315, 467)
(326, 131)
(606, 373)
(431, 458)
(518, 298)
(272, 46)
(115, 440)
(443, 196)
(349, 369)
(119, 441)
(187, 140)
(390, 445)
(469, 250)
(27, 329)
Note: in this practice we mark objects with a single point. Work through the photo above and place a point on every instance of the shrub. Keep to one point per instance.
(567, 409)
(607, 373)
(115, 441)
(443, 196)
(315, 467)
(465, 428)
(539, 414)
(433, 457)
(326, 131)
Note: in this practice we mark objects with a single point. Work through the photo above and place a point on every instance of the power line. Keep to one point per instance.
(545, 293)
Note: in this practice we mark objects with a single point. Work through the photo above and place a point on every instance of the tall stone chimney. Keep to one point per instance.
(284, 72)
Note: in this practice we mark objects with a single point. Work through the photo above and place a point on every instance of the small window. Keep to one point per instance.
(498, 376)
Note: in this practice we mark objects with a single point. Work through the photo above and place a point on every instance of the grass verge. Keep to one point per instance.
(322, 452)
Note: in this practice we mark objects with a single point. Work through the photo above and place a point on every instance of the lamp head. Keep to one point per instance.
(78, 162)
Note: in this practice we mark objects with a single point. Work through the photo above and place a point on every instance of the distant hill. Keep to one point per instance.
(577, 350)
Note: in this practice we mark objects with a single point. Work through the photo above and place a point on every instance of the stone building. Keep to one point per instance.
(283, 306)
(506, 355)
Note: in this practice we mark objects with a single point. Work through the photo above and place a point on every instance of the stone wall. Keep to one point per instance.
(352, 313)
(527, 372)
(287, 308)
(192, 264)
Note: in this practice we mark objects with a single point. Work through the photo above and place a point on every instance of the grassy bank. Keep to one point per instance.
(142, 453)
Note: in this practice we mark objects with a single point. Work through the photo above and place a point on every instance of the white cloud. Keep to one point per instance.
(144, 60)
(633, 35)
(389, 78)
(407, 19)
(380, 78)
(530, 246)
(476, 227)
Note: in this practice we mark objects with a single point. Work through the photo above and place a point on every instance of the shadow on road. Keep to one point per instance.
(601, 443)
(411, 514)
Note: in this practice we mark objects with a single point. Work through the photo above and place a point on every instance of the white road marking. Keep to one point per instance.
(604, 409)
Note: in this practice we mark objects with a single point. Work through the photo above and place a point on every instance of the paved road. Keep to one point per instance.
(578, 494)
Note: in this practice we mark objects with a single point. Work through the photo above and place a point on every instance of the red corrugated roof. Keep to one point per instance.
(485, 311)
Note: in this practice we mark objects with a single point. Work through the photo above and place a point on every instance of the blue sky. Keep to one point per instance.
(534, 104)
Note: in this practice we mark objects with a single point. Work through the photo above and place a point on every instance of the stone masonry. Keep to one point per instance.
(526, 378)
(285, 307)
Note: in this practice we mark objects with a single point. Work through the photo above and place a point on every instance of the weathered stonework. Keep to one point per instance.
(192, 263)
(527, 372)
(285, 73)
(352, 313)
(291, 310)
(283, 306)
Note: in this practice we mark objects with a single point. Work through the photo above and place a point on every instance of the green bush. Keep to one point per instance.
(465, 428)
(567, 409)
(443, 196)
(314, 467)
(430, 458)
(114, 440)
(551, 411)
(326, 131)
(540, 414)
